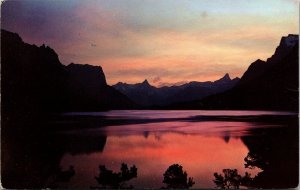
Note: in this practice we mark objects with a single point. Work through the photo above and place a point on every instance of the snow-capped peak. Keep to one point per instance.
(291, 40)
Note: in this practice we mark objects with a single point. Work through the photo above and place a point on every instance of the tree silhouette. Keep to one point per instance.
(247, 180)
(231, 179)
(109, 179)
(255, 160)
(175, 177)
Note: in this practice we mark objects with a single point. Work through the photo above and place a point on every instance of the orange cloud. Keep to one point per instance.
(187, 41)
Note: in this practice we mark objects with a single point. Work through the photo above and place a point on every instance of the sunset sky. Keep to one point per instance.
(164, 41)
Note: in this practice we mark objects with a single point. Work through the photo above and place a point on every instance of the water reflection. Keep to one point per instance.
(31, 155)
(207, 128)
(34, 155)
(162, 114)
(200, 155)
(276, 152)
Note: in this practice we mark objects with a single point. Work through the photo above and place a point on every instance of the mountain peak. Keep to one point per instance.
(291, 40)
(88, 72)
(119, 83)
(258, 60)
(287, 43)
(146, 82)
(225, 77)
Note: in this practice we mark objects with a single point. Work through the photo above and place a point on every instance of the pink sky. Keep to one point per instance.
(162, 41)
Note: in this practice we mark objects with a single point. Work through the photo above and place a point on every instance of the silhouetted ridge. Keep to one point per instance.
(145, 85)
(35, 81)
(270, 85)
(145, 82)
(225, 79)
(256, 68)
(10, 36)
(50, 56)
(147, 95)
(287, 43)
(88, 73)
(236, 80)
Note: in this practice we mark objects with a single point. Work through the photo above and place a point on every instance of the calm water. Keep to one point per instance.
(203, 142)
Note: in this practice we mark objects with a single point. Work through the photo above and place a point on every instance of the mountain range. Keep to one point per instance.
(146, 95)
(266, 85)
(34, 80)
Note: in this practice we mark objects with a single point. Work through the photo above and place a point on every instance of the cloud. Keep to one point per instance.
(173, 40)
(156, 79)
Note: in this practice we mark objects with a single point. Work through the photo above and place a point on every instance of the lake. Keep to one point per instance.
(203, 142)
